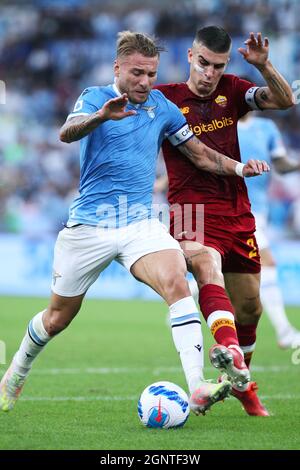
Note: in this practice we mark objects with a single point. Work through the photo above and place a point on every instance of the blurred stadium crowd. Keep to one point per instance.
(51, 50)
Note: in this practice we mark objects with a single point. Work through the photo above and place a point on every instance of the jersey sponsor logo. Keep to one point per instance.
(219, 323)
(214, 125)
(221, 101)
(185, 110)
(150, 111)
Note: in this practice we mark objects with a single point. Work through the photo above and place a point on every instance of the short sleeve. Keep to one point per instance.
(244, 93)
(85, 104)
(178, 130)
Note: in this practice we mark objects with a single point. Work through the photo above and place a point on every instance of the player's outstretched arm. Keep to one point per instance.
(278, 94)
(79, 126)
(210, 160)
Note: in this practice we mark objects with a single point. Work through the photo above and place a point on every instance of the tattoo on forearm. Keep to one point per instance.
(211, 160)
(219, 163)
(189, 153)
(79, 127)
(264, 96)
(276, 84)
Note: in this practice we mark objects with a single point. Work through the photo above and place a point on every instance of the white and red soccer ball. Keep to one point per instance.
(163, 405)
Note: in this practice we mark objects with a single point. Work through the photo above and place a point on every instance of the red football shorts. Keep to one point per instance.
(232, 236)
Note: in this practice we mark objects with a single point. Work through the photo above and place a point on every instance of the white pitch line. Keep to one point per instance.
(276, 369)
(135, 398)
(288, 396)
(89, 370)
(156, 371)
(95, 398)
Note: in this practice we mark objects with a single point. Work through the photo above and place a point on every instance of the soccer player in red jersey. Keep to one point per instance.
(212, 103)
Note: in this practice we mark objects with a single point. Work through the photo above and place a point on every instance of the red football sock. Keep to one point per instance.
(218, 313)
(247, 337)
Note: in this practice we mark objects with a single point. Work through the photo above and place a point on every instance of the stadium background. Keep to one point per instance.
(49, 52)
(83, 392)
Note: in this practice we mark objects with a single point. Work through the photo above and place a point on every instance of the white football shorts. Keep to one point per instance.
(82, 252)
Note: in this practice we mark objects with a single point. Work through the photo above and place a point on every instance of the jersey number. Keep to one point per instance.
(253, 252)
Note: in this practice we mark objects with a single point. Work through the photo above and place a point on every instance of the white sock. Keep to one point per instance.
(33, 343)
(194, 289)
(187, 337)
(272, 300)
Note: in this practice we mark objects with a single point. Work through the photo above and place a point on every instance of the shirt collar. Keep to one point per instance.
(116, 89)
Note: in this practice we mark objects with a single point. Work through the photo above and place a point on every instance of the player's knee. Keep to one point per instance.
(206, 271)
(175, 284)
(55, 325)
(56, 320)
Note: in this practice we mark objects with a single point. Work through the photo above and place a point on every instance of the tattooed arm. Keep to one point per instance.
(278, 94)
(210, 160)
(79, 126)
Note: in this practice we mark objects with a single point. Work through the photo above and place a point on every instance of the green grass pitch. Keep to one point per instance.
(83, 390)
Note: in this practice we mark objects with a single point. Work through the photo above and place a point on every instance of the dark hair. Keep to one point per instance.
(129, 42)
(215, 38)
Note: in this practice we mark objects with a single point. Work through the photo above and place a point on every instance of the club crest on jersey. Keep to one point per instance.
(185, 110)
(150, 111)
(221, 101)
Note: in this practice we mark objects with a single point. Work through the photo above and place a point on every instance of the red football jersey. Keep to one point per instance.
(214, 121)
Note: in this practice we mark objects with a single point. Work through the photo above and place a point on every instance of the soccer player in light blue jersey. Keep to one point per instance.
(260, 137)
(121, 127)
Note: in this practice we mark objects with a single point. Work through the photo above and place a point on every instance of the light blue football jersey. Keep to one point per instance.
(259, 138)
(118, 159)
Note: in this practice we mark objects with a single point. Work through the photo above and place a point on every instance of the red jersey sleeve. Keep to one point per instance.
(168, 89)
(240, 89)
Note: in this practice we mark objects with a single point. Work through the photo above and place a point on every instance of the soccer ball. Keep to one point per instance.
(163, 405)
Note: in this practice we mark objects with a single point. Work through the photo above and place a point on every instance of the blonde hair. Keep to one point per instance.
(129, 42)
